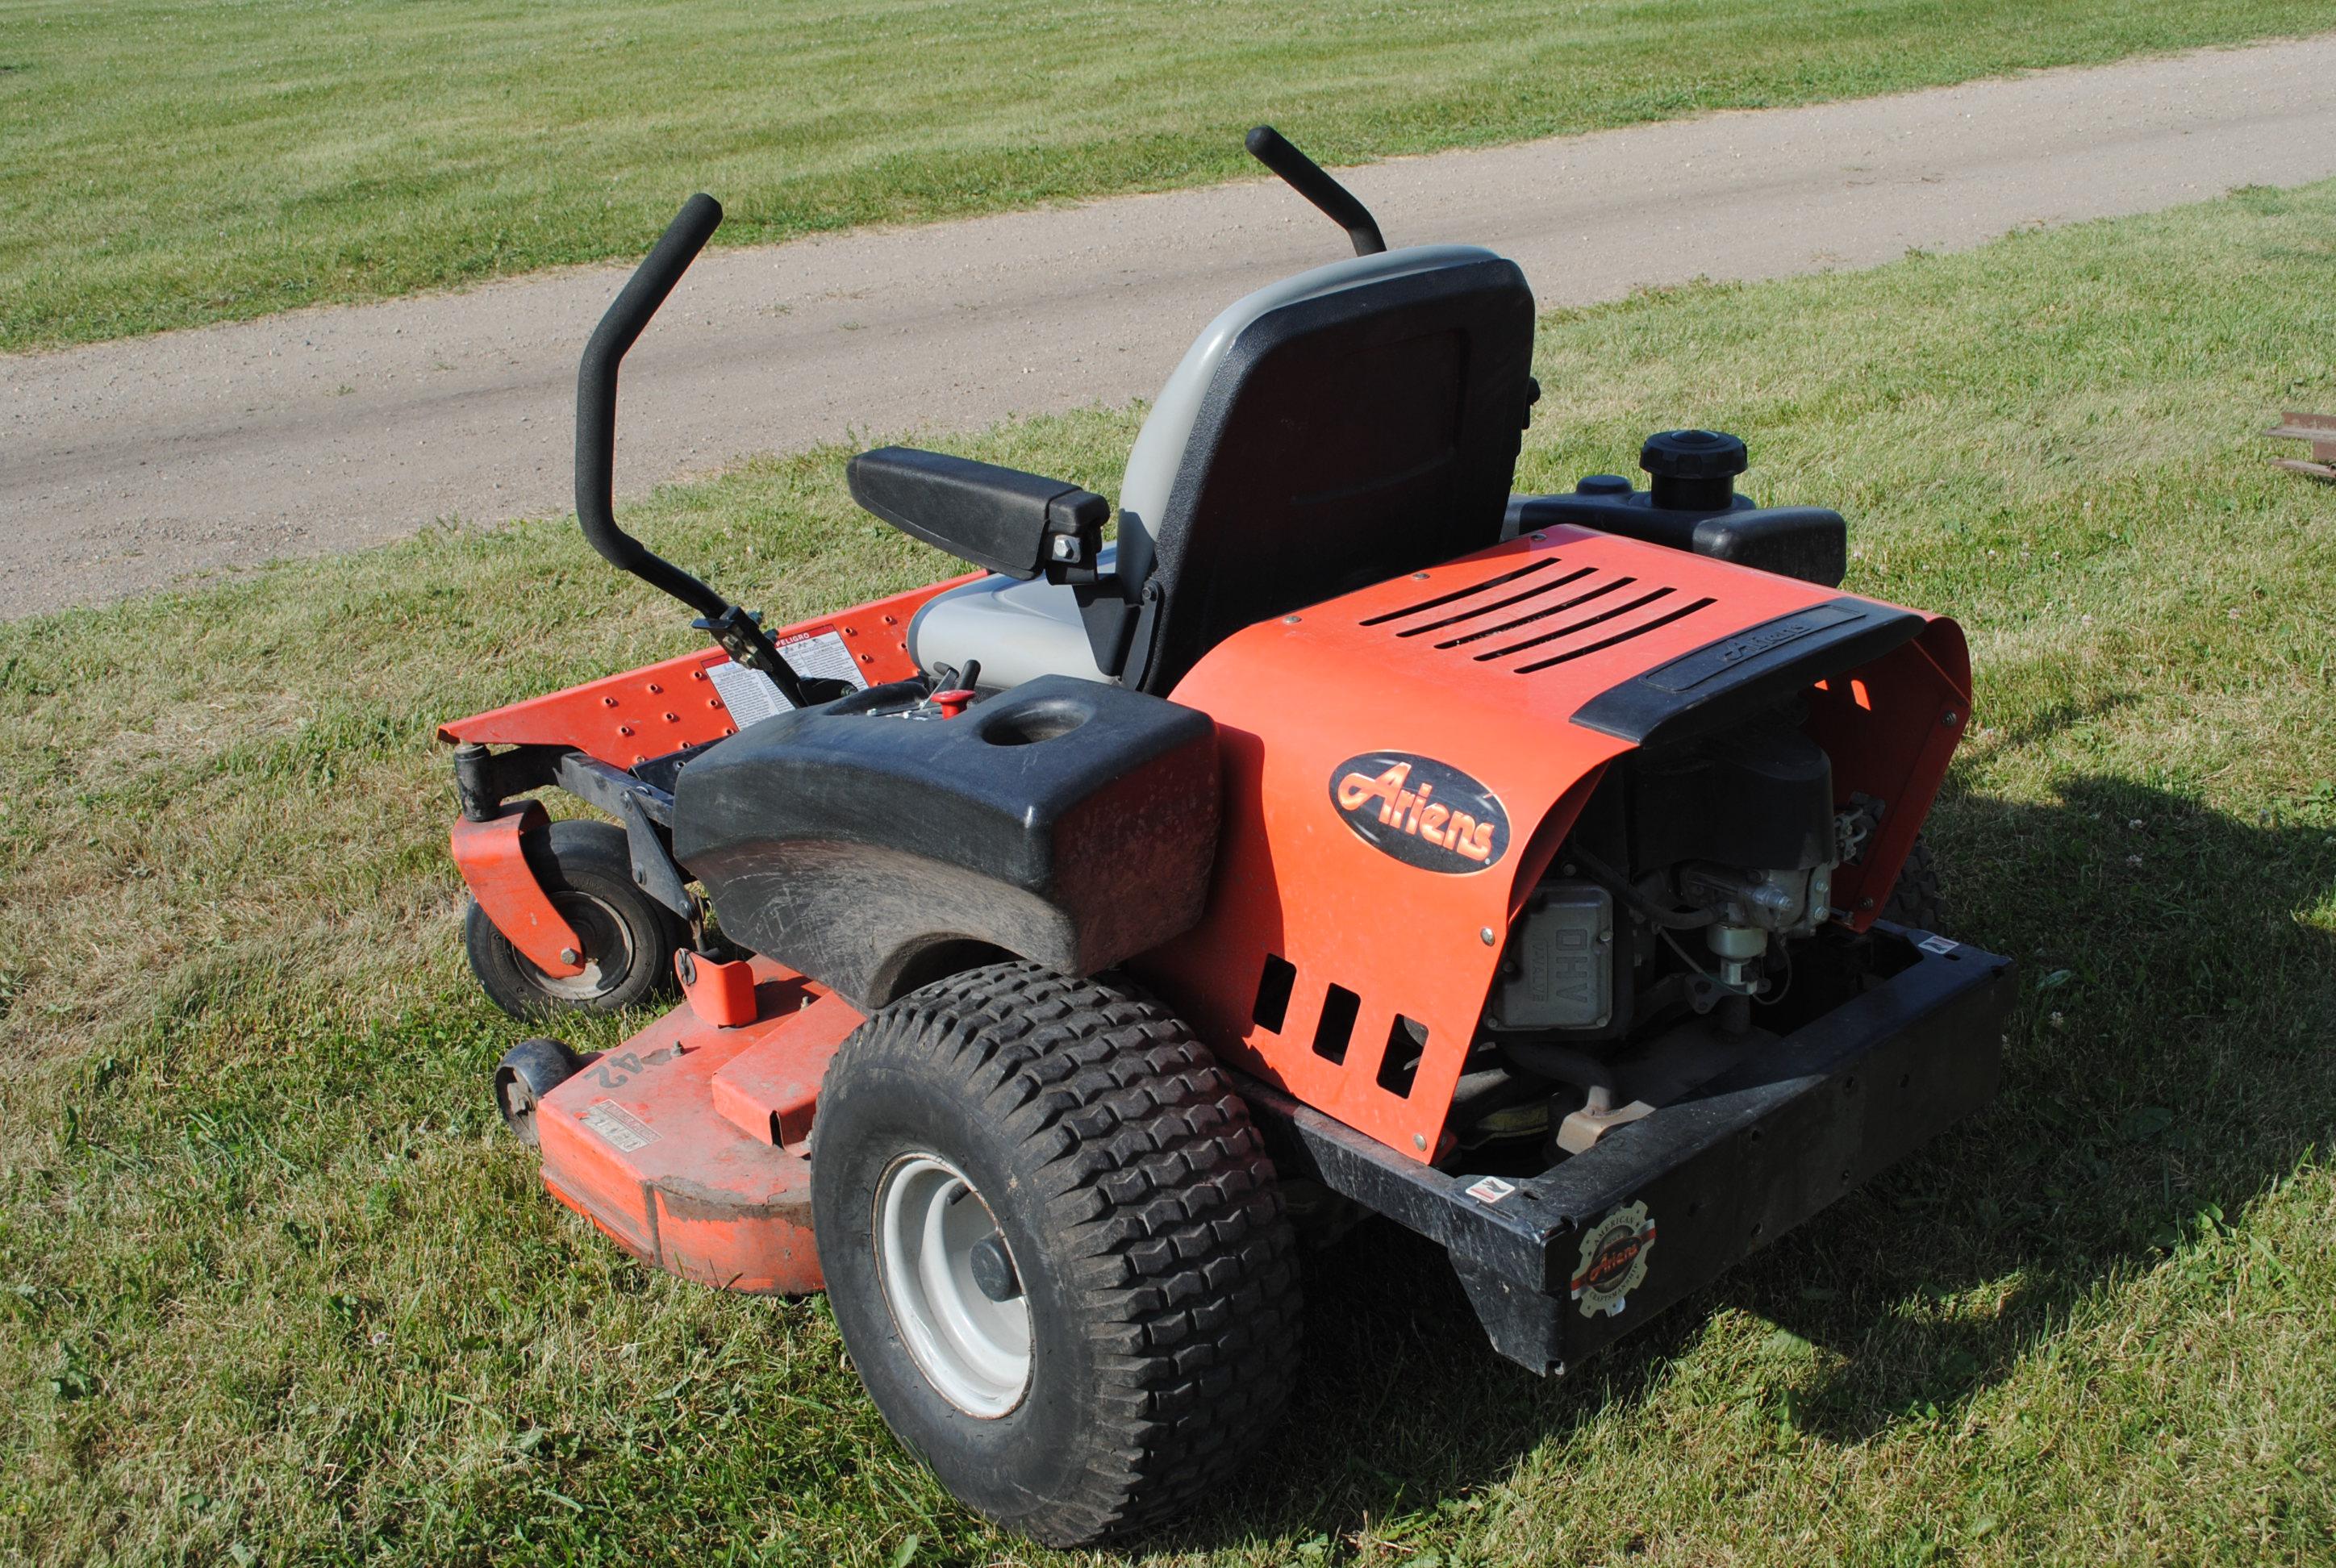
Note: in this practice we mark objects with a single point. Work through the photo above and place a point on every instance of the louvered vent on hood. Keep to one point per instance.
(1547, 612)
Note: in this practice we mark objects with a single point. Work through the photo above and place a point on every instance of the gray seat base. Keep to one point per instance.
(1018, 630)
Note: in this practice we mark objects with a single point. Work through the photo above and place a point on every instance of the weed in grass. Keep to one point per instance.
(272, 1282)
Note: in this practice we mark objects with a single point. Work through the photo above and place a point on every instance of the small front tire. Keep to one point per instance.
(629, 939)
(528, 1071)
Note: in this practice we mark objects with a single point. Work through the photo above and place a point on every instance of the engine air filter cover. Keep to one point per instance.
(1559, 971)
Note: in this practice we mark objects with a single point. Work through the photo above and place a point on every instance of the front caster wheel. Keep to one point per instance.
(1055, 1248)
(629, 939)
(528, 1071)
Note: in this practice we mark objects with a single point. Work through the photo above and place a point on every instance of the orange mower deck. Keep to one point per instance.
(685, 1145)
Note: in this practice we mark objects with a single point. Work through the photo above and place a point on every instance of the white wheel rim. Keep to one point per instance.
(975, 1352)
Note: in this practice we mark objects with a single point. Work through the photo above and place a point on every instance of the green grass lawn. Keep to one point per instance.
(274, 1287)
(164, 163)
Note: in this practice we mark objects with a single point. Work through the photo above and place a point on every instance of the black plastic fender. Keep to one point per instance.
(1066, 822)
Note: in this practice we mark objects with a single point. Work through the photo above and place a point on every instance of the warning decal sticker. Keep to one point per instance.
(1490, 1189)
(822, 656)
(620, 1128)
(753, 696)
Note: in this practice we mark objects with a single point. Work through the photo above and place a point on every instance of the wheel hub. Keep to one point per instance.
(993, 1270)
(608, 948)
(951, 1282)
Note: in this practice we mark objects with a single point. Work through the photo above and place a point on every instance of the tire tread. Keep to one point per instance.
(1919, 899)
(1159, 1186)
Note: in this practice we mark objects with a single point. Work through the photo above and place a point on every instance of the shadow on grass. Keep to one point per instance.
(2166, 1065)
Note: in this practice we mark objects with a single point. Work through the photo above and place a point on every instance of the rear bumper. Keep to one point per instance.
(1561, 1263)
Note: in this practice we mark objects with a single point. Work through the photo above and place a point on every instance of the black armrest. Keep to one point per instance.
(1009, 521)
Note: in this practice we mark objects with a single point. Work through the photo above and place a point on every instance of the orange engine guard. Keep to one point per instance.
(1357, 919)
(687, 1145)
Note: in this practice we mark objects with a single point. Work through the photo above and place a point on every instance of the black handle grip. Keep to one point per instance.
(596, 446)
(1306, 178)
(595, 405)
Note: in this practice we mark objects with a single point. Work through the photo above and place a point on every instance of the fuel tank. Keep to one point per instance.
(1066, 822)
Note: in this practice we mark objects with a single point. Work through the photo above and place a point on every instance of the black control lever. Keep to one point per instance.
(739, 631)
(1306, 178)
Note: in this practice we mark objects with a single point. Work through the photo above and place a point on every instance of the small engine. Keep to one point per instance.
(1690, 870)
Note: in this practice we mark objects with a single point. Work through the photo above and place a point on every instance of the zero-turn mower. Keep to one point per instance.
(1062, 944)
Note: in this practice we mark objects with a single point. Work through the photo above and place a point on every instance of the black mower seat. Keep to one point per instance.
(1328, 430)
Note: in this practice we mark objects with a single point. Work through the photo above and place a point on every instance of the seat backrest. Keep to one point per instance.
(1330, 431)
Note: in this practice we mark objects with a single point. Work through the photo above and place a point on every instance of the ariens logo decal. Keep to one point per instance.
(1422, 812)
(1614, 1261)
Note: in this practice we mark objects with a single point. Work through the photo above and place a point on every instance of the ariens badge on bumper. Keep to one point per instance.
(1613, 1260)
(1421, 811)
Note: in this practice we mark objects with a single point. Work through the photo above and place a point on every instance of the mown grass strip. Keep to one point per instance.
(164, 164)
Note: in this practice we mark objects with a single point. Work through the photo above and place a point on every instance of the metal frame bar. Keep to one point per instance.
(1724, 1172)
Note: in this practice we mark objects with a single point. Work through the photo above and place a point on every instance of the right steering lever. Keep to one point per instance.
(1306, 178)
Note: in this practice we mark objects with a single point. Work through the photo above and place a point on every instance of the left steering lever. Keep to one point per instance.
(739, 631)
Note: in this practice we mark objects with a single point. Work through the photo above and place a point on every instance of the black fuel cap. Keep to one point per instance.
(1693, 454)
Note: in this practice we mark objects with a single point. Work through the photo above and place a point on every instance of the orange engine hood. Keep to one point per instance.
(1354, 909)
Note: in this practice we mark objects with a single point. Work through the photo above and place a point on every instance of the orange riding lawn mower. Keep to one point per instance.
(1062, 945)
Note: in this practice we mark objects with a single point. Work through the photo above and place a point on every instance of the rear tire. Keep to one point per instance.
(1123, 1209)
(629, 939)
(1917, 899)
